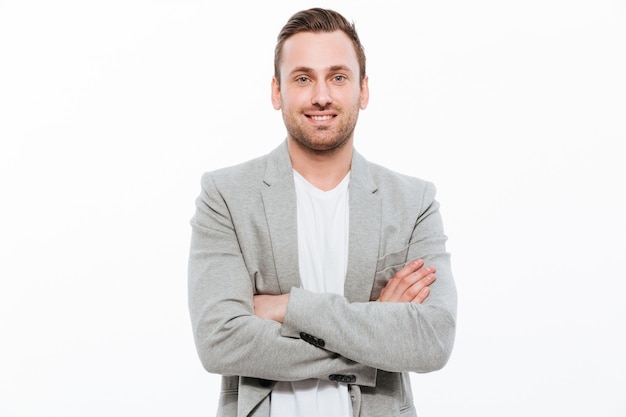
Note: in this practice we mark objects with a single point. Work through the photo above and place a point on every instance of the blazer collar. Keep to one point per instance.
(279, 198)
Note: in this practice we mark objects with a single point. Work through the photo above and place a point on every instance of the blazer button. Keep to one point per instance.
(312, 340)
(346, 379)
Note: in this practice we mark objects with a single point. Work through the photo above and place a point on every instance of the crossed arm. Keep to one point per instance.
(412, 321)
(410, 284)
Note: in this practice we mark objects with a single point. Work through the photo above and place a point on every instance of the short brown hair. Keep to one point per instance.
(318, 20)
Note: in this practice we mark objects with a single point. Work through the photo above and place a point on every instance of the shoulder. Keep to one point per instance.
(389, 181)
(237, 186)
(274, 166)
(398, 192)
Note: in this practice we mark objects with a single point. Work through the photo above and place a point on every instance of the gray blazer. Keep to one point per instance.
(244, 243)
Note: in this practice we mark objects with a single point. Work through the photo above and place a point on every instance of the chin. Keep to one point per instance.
(322, 146)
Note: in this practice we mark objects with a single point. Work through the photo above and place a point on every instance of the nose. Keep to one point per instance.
(321, 95)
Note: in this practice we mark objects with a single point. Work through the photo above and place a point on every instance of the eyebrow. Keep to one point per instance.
(332, 68)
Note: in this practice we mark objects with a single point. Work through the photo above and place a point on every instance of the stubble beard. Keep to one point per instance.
(322, 139)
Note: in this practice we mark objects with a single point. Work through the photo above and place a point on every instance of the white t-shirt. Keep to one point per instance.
(323, 261)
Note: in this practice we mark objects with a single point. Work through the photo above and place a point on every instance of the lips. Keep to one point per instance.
(322, 118)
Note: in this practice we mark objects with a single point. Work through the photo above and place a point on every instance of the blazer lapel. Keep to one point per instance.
(365, 223)
(279, 199)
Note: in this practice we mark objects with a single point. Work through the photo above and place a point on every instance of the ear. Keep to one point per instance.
(276, 100)
(365, 93)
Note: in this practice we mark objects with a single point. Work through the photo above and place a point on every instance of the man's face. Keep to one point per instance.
(320, 92)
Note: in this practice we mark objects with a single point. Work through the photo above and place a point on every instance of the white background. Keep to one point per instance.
(110, 112)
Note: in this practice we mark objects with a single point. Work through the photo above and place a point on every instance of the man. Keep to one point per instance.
(318, 280)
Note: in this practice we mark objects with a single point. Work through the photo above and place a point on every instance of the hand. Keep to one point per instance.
(271, 307)
(410, 284)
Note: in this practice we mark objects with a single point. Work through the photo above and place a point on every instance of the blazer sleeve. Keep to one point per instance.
(390, 336)
(229, 338)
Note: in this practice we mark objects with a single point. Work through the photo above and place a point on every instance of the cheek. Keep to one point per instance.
(291, 101)
(354, 97)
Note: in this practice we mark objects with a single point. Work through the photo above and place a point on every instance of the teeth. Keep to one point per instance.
(321, 117)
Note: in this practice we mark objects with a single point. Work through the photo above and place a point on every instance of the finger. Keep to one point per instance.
(424, 271)
(409, 268)
(413, 282)
(392, 284)
(407, 288)
(421, 296)
(413, 291)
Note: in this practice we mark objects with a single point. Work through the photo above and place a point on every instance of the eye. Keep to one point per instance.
(339, 78)
(302, 79)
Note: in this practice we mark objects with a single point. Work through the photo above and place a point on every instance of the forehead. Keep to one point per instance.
(318, 50)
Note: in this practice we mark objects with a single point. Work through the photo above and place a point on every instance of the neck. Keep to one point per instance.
(324, 170)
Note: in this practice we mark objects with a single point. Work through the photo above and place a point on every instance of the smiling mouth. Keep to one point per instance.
(321, 118)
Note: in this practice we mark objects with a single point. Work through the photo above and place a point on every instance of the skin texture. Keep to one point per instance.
(320, 97)
(320, 79)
